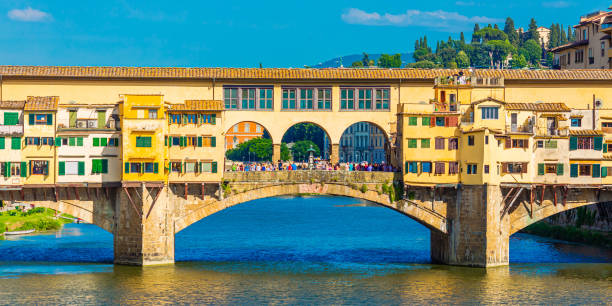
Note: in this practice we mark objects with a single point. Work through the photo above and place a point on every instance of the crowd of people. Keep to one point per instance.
(318, 165)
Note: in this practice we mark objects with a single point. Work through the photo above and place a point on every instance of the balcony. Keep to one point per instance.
(520, 129)
(8, 130)
(553, 132)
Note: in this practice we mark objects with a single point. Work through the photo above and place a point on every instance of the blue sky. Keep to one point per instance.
(231, 33)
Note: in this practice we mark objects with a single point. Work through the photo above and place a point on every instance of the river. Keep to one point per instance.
(297, 250)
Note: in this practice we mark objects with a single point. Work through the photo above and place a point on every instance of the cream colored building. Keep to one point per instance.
(11, 133)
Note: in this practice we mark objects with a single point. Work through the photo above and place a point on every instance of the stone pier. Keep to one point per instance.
(477, 235)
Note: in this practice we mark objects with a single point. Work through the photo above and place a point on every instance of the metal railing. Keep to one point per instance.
(11, 130)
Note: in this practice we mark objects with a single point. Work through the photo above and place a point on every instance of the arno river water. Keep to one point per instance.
(322, 250)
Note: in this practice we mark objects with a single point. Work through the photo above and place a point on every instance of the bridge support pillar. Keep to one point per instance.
(276, 152)
(334, 155)
(144, 230)
(477, 234)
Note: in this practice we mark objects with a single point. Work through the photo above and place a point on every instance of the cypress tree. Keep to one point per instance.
(511, 32)
(462, 38)
(496, 27)
(563, 35)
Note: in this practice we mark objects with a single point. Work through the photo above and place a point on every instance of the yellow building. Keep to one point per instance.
(144, 126)
(11, 133)
(194, 130)
(38, 153)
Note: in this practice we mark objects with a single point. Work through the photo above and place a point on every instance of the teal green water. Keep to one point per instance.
(322, 250)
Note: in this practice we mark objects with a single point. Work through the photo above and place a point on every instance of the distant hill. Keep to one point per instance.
(349, 59)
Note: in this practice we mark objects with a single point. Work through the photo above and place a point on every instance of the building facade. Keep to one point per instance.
(242, 132)
(592, 47)
(363, 142)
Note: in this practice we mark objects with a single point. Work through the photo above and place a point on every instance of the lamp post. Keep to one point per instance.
(310, 151)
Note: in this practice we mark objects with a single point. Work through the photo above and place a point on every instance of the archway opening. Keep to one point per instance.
(303, 138)
(248, 141)
(364, 142)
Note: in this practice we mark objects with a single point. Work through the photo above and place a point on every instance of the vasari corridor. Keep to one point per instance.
(408, 179)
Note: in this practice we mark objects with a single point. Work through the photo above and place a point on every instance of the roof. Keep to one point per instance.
(571, 45)
(585, 133)
(593, 18)
(294, 73)
(538, 107)
(487, 100)
(41, 103)
(197, 105)
(12, 104)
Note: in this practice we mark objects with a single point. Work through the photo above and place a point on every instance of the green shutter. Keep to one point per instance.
(540, 169)
(104, 165)
(406, 167)
(573, 143)
(126, 168)
(412, 121)
(49, 119)
(604, 171)
(166, 141)
(7, 173)
(214, 167)
(103, 142)
(101, 119)
(597, 143)
(16, 143)
(11, 118)
(95, 166)
(31, 119)
(213, 141)
(58, 141)
(574, 170)
(96, 142)
(596, 170)
(559, 169)
(1, 142)
(61, 168)
(116, 142)
(213, 118)
(24, 169)
(425, 121)
(155, 168)
(72, 141)
(142, 167)
(199, 141)
(605, 148)
(81, 168)
(72, 119)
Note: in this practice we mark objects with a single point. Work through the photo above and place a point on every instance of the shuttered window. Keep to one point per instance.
(11, 118)
(16, 143)
(2, 143)
(143, 142)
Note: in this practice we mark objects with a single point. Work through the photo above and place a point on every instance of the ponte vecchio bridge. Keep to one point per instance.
(140, 151)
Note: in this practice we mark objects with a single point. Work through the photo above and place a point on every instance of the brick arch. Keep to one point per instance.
(522, 218)
(425, 217)
(90, 212)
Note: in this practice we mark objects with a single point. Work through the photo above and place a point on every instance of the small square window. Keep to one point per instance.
(576, 122)
(540, 144)
(470, 140)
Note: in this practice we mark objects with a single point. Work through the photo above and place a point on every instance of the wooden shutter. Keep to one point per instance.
(504, 167)
(103, 142)
(446, 121)
(596, 170)
(214, 119)
(16, 143)
(559, 169)
(126, 168)
(58, 141)
(432, 121)
(597, 146)
(541, 169)
(101, 119)
(574, 170)
(604, 171)
(61, 168)
(214, 167)
(24, 169)
(406, 167)
(155, 167)
(96, 142)
(49, 119)
(213, 141)
(1, 142)
(81, 168)
(104, 165)
(508, 143)
(31, 119)
(573, 145)
(72, 118)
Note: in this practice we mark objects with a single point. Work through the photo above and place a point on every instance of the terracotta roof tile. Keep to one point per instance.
(538, 107)
(296, 73)
(585, 133)
(41, 103)
(197, 105)
(12, 104)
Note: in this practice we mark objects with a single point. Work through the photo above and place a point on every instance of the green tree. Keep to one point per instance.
(305, 131)
(518, 61)
(487, 34)
(563, 36)
(463, 60)
(510, 30)
(532, 51)
(357, 64)
(256, 149)
(390, 61)
(462, 38)
(476, 29)
(532, 31)
(365, 60)
(498, 51)
(422, 64)
(570, 34)
(285, 154)
(299, 150)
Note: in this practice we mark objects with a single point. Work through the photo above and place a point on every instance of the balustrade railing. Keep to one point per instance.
(11, 130)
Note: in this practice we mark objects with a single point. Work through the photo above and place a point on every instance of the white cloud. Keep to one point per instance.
(439, 20)
(465, 3)
(556, 4)
(29, 15)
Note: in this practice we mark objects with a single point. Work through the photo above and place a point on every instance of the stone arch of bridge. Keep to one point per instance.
(521, 218)
(87, 211)
(386, 136)
(425, 217)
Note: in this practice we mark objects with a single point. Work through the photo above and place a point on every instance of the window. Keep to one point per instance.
(550, 168)
(412, 167)
(382, 98)
(32, 141)
(143, 141)
(248, 98)
(412, 143)
(550, 144)
(11, 118)
(364, 99)
(324, 99)
(584, 170)
(412, 120)
(99, 166)
(39, 167)
(347, 98)
(230, 96)
(175, 167)
(16, 169)
(15, 143)
(289, 99)
(576, 122)
(149, 167)
(440, 121)
(453, 167)
(585, 143)
(426, 121)
(439, 168)
(603, 49)
(70, 168)
(486, 169)
(135, 167)
(152, 114)
(470, 140)
(426, 167)
(540, 143)
(453, 143)
(520, 143)
(425, 143)
(440, 143)
(306, 98)
(265, 98)
(489, 112)
(514, 168)
(472, 168)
